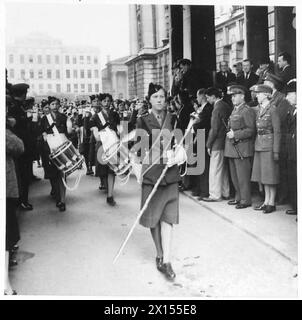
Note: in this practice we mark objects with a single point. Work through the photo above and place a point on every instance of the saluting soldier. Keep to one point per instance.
(267, 147)
(292, 146)
(239, 146)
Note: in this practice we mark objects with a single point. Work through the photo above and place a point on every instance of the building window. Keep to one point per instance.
(31, 59)
(96, 73)
(40, 74)
(57, 59)
(57, 74)
(88, 59)
(58, 88)
(96, 88)
(95, 60)
(75, 74)
(74, 60)
(22, 74)
(21, 58)
(11, 73)
(31, 74)
(82, 74)
(67, 73)
(68, 87)
(39, 58)
(75, 87)
(81, 59)
(89, 87)
(49, 87)
(82, 87)
(41, 87)
(88, 73)
(67, 59)
(48, 74)
(11, 58)
(48, 59)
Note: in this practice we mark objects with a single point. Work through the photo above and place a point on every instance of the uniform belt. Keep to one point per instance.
(262, 132)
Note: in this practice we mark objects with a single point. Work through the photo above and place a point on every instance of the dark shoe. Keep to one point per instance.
(111, 201)
(62, 207)
(89, 172)
(52, 193)
(261, 207)
(15, 248)
(12, 263)
(58, 204)
(269, 209)
(233, 202)
(168, 271)
(208, 199)
(242, 206)
(12, 293)
(26, 206)
(35, 178)
(195, 194)
(159, 263)
(291, 212)
(102, 187)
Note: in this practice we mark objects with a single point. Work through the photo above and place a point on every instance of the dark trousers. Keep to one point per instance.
(24, 173)
(12, 226)
(282, 188)
(201, 182)
(292, 185)
(240, 171)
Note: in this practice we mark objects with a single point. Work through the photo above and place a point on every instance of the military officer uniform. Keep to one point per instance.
(164, 204)
(283, 108)
(242, 122)
(267, 143)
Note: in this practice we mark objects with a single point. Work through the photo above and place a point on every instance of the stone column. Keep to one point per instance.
(256, 40)
(147, 18)
(161, 25)
(133, 30)
(187, 48)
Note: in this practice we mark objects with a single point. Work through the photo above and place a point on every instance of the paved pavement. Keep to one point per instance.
(71, 253)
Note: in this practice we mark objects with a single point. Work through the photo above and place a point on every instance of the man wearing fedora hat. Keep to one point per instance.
(283, 108)
(239, 146)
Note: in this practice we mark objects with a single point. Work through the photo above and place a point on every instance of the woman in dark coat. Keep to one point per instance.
(162, 211)
(14, 148)
(267, 147)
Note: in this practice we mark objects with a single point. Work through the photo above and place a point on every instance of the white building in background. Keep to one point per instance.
(50, 68)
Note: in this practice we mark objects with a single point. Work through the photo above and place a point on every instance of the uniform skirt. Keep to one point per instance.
(265, 168)
(162, 207)
(101, 170)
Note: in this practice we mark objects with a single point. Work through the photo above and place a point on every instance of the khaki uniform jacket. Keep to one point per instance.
(268, 129)
(148, 122)
(242, 122)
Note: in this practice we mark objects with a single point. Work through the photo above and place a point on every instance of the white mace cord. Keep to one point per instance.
(149, 198)
(78, 179)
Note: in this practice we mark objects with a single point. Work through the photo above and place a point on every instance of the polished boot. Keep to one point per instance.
(269, 209)
(261, 207)
(233, 202)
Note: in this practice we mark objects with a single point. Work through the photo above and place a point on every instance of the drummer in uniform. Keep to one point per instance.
(111, 119)
(267, 147)
(162, 211)
(242, 130)
(59, 124)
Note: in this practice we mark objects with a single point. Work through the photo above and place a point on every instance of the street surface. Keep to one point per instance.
(71, 252)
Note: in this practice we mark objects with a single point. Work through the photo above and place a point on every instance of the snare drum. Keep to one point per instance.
(66, 158)
(117, 158)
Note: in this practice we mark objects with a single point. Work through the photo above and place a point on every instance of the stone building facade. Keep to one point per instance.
(115, 78)
(50, 68)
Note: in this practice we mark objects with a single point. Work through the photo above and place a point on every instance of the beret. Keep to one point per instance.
(234, 89)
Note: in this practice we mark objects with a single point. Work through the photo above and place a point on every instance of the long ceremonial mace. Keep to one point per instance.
(150, 196)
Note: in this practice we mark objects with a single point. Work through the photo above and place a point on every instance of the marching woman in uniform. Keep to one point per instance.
(267, 147)
(59, 123)
(162, 211)
(111, 119)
